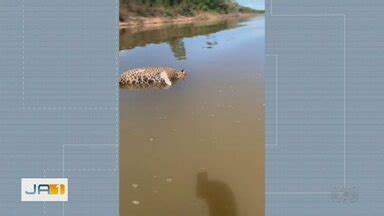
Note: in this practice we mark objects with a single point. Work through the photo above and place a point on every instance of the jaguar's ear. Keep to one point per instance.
(183, 71)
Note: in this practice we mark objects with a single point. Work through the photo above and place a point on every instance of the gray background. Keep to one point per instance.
(59, 103)
(324, 108)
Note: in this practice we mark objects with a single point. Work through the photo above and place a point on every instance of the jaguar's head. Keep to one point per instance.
(181, 74)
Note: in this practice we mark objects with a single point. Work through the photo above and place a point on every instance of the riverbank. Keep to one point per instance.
(148, 22)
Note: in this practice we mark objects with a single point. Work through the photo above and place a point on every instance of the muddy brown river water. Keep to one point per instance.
(197, 148)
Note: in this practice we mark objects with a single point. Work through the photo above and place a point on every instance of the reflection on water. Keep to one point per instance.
(178, 48)
(218, 195)
(211, 42)
(144, 86)
(196, 149)
(172, 35)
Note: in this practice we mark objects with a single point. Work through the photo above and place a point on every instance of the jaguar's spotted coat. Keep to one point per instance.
(150, 77)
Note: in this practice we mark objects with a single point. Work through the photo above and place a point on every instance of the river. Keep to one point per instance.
(197, 148)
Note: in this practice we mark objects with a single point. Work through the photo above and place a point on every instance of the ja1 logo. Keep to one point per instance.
(44, 189)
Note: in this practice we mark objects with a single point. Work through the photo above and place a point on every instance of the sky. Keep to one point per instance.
(257, 4)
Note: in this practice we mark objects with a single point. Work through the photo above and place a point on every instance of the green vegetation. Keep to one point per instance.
(172, 8)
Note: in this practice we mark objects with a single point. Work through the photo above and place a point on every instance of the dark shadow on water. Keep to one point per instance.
(218, 196)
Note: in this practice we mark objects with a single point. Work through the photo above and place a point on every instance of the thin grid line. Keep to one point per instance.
(81, 145)
(117, 115)
(299, 193)
(82, 170)
(23, 51)
(344, 138)
(276, 99)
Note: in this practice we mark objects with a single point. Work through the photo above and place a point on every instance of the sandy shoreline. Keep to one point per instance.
(136, 21)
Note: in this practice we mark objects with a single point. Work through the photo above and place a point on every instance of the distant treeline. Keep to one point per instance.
(184, 7)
